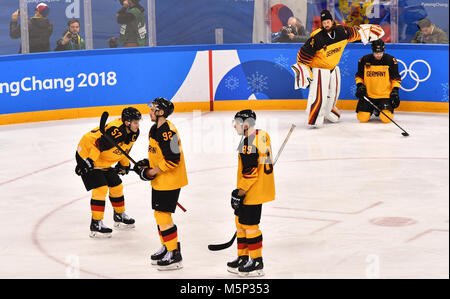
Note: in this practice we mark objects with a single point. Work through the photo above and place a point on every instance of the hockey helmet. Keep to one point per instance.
(246, 115)
(131, 113)
(378, 46)
(163, 104)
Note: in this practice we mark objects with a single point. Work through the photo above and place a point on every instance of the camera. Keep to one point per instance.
(288, 29)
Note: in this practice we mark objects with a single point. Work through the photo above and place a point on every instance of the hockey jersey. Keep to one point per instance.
(255, 168)
(379, 76)
(95, 146)
(324, 50)
(165, 151)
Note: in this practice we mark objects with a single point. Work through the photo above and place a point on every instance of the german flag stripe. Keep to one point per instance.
(169, 231)
(335, 112)
(255, 240)
(315, 107)
(255, 246)
(95, 202)
(116, 199)
(170, 237)
(242, 240)
(97, 208)
(242, 245)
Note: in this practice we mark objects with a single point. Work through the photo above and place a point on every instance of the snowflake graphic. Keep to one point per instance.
(257, 82)
(444, 92)
(344, 69)
(353, 89)
(231, 82)
(281, 62)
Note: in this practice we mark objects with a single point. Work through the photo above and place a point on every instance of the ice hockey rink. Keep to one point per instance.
(352, 201)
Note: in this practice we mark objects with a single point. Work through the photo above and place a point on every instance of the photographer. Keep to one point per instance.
(294, 32)
(71, 39)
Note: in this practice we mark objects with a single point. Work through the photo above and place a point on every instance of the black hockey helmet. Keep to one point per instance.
(246, 115)
(131, 113)
(378, 46)
(163, 104)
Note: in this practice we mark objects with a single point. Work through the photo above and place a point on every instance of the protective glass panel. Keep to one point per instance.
(47, 24)
(433, 30)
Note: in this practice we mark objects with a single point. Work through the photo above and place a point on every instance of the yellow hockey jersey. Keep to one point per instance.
(379, 76)
(165, 151)
(95, 146)
(255, 168)
(324, 50)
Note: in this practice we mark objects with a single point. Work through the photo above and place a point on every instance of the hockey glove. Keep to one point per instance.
(122, 170)
(236, 200)
(141, 168)
(361, 91)
(85, 167)
(395, 99)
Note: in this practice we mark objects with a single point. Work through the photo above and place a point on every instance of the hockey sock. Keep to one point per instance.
(170, 238)
(384, 118)
(242, 248)
(168, 231)
(160, 236)
(117, 199)
(363, 116)
(254, 241)
(98, 202)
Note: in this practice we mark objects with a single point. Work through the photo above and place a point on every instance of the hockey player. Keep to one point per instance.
(378, 79)
(317, 68)
(255, 186)
(166, 169)
(95, 155)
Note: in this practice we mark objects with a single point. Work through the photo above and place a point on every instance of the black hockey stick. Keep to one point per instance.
(217, 247)
(103, 119)
(404, 133)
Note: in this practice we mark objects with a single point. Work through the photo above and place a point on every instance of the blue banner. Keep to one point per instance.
(48, 81)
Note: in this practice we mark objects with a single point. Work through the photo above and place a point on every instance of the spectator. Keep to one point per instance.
(294, 32)
(429, 33)
(132, 18)
(113, 42)
(71, 39)
(39, 29)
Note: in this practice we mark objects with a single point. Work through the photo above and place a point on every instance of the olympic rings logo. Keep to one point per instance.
(413, 74)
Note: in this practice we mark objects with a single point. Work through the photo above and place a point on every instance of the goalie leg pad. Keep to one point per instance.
(332, 112)
(317, 97)
(302, 75)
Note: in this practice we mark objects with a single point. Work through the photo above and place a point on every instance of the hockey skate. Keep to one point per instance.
(171, 260)
(233, 266)
(123, 221)
(157, 256)
(254, 267)
(99, 230)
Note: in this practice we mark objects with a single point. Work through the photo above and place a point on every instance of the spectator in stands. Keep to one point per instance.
(113, 42)
(132, 32)
(71, 39)
(39, 29)
(429, 33)
(294, 32)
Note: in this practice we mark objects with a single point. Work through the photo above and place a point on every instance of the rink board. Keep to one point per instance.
(77, 84)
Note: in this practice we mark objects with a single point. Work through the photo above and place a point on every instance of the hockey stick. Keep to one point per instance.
(217, 247)
(404, 133)
(103, 119)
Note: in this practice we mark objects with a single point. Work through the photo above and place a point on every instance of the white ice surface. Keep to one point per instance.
(353, 201)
